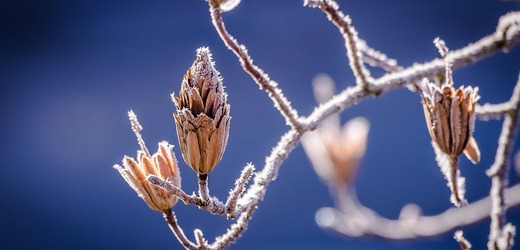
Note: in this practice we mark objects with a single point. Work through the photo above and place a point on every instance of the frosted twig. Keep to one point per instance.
(234, 231)
(344, 24)
(376, 58)
(443, 51)
(356, 220)
(463, 242)
(450, 170)
(170, 218)
(213, 205)
(137, 128)
(258, 75)
(498, 173)
(240, 184)
(199, 237)
(204, 201)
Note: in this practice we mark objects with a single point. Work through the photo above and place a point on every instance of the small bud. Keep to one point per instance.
(202, 115)
(162, 164)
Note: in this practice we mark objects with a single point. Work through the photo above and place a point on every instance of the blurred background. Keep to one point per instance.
(70, 71)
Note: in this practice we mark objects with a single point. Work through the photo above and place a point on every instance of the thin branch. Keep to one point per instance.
(170, 218)
(240, 184)
(258, 75)
(344, 24)
(499, 172)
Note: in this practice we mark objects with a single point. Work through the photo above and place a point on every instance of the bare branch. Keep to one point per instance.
(492, 111)
(240, 184)
(506, 36)
(234, 231)
(187, 199)
(499, 173)
(377, 59)
(258, 75)
(344, 24)
(170, 218)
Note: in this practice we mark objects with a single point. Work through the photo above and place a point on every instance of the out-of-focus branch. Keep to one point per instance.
(170, 218)
(499, 174)
(354, 219)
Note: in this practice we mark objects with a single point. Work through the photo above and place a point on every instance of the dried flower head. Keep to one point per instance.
(202, 114)
(162, 164)
(450, 118)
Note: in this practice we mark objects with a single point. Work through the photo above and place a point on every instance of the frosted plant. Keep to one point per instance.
(202, 120)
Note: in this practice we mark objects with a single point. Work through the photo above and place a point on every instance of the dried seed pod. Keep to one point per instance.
(202, 115)
(450, 118)
(162, 164)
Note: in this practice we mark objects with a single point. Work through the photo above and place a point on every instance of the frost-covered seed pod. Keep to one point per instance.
(202, 115)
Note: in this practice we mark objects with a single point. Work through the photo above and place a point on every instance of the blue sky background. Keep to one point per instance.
(70, 70)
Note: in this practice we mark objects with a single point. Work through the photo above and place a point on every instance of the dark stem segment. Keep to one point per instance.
(203, 188)
(170, 218)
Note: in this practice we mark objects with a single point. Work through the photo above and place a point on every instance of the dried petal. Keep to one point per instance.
(472, 151)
